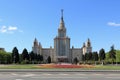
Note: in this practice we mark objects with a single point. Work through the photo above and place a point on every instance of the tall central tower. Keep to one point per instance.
(62, 43)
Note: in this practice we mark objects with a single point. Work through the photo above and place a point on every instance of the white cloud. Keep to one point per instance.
(3, 29)
(12, 28)
(113, 24)
(9, 29)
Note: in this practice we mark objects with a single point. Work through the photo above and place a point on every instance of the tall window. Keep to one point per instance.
(62, 48)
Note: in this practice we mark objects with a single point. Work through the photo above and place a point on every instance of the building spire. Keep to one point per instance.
(35, 42)
(62, 14)
(88, 42)
(62, 26)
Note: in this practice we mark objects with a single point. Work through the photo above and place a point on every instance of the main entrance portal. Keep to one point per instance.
(62, 59)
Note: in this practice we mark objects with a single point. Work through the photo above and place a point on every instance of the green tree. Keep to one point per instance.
(75, 60)
(112, 54)
(15, 55)
(90, 56)
(39, 58)
(86, 56)
(5, 57)
(117, 55)
(9, 58)
(49, 59)
(35, 55)
(32, 56)
(83, 57)
(2, 58)
(25, 55)
(95, 56)
(102, 55)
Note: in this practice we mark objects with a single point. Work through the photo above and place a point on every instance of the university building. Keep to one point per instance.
(62, 52)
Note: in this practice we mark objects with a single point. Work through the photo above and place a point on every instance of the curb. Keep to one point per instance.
(48, 70)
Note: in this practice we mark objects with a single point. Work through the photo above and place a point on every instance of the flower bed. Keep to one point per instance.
(63, 66)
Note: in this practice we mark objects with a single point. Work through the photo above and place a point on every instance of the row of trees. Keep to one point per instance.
(26, 57)
(5, 57)
(101, 56)
(94, 56)
(15, 57)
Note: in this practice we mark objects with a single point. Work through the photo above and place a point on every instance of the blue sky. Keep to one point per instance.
(23, 20)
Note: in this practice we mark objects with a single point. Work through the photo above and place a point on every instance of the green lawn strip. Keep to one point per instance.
(111, 67)
(33, 66)
(18, 66)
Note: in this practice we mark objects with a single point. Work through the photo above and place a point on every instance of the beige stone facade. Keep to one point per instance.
(61, 52)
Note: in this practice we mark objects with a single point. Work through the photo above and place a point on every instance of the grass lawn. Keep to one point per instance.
(35, 66)
(18, 66)
(107, 67)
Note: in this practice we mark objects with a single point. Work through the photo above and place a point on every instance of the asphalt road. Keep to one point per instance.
(59, 76)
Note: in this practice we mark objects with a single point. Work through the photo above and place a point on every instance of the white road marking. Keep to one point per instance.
(59, 77)
(96, 74)
(28, 75)
(64, 74)
(18, 79)
(47, 74)
(14, 74)
(80, 74)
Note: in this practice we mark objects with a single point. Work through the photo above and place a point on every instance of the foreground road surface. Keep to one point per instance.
(59, 76)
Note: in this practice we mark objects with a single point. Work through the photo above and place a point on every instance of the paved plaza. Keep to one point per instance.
(59, 76)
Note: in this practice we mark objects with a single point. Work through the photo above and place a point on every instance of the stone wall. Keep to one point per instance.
(76, 53)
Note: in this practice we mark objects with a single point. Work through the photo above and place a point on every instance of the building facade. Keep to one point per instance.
(62, 51)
